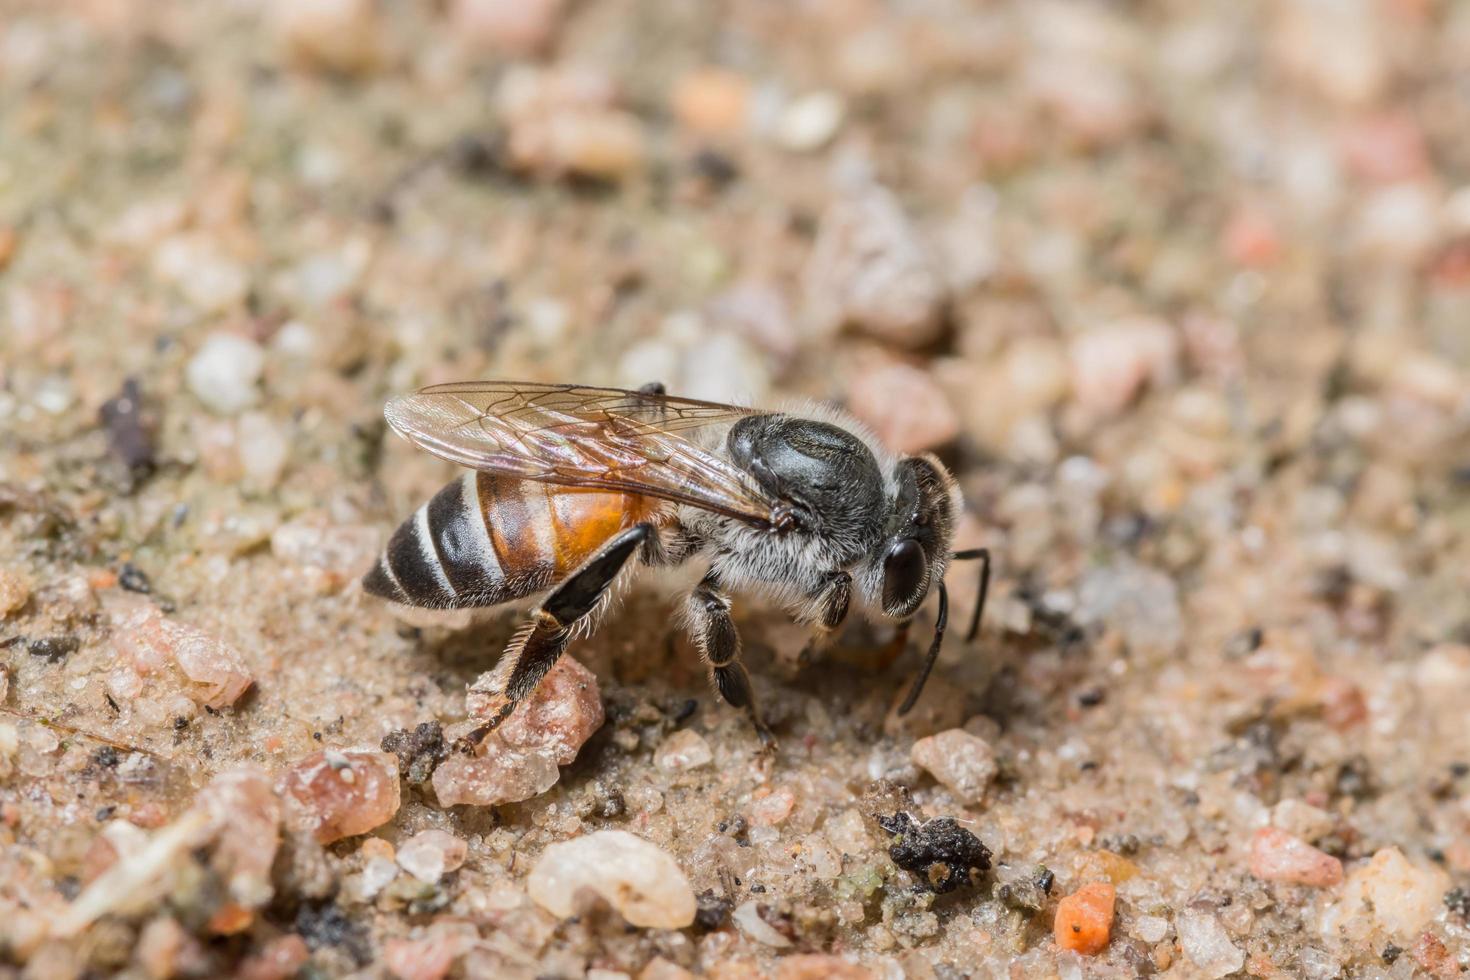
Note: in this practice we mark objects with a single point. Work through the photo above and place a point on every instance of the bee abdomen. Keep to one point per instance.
(443, 555)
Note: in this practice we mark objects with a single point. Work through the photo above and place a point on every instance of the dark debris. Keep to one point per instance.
(419, 751)
(941, 853)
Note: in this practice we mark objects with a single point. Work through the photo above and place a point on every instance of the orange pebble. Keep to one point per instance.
(1085, 919)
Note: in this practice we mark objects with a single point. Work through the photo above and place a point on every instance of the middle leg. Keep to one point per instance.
(714, 633)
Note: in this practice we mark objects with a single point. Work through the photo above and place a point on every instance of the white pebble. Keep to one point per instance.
(1208, 946)
(224, 372)
(639, 879)
(263, 449)
(964, 763)
(810, 121)
(430, 855)
(748, 917)
(684, 749)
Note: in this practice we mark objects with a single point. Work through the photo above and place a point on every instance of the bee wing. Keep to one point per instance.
(607, 438)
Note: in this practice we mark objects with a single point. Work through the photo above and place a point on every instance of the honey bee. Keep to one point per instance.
(568, 486)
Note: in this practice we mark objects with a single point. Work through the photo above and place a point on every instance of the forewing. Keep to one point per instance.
(607, 438)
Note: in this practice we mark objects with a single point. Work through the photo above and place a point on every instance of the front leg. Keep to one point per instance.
(708, 613)
(826, 609)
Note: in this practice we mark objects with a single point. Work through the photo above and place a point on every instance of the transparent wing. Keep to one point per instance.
(608, 438)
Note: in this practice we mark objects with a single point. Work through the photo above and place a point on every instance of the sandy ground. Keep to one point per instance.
(1180, 291)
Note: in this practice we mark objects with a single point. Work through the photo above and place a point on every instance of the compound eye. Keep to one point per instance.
(905, 576)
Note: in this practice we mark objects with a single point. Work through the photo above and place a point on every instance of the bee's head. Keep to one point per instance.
(916, 550)
(916, 545)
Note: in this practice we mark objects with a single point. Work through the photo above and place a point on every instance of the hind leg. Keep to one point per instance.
(538, 646)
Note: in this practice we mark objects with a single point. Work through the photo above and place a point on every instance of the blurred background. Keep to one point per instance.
(1181, 291)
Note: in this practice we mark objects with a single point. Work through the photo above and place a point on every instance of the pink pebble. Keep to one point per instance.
(1279, 856)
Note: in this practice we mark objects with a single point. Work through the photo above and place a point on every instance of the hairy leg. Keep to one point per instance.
(714, 633)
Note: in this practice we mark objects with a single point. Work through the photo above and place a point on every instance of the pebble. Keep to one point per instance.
(724, 367)
(1397, 223)
(820, 966)
(964, 763)
(712, 101)
(556, 720)
(1150, 928)
(215, 671)
(903, 406)
(279, 959)
(1139, 601)
(871, 270)
(344, 36)
(1300, 818)
(683, 750)
(1084, 920)
(242, 806)
(1278, 856)
(848, 832)
(498, 777)
(1204, 940)
(515, 27)
(15, 592)
(343, 793)
(773, 808)
(810, 121)
(1388, 895)
(427, 957)
(224, 373)
(1112, 364)
(211, 281)
(637, 878)
(748, 917)
(345, 551)
(564, 122)
(263, 448)
(430, 855)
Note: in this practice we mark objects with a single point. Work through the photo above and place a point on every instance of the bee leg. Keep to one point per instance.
(719, 646)
(537, 647)
(826, 610)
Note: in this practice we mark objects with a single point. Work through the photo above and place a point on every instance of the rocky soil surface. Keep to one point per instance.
(1181, 292)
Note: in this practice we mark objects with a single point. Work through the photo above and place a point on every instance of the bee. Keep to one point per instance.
(567, 487)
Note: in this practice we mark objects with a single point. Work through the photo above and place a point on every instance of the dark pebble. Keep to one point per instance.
(131, 577)
(54, 648)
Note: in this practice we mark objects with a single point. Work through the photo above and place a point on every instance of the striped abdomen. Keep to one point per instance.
(486, 539)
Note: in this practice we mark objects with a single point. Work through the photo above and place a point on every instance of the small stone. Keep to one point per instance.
(209, 279)
(810, 121)
(243, 806)
(1388, 895)
(1297, 817)
(683, 750)
(279, 959)
(263, 448)
(515, 27)
(1205, 941)
(820, 966)
(557, 719)
(343, 36)
(1397, 223)
(165, 949)
(848, 832)
(224, 372)
(637, 878)
(748, 917)
(1278, 856)
(712, 101)
(869, 269)
(903, 406)
(773, 808)
(964, 763)
(725, 367)
(15, 591)
(1387, 148)
(214, 672)
(430, 956)
(498, 777)
(1140, 602)
(659, 968)
(1084, 921)
(565, 123)
(432, 854)
(345, 551)
(1112, 364)
(343, 793)
(1150, 928)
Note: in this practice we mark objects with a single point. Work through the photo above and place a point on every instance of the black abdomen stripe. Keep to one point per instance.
(442, 556)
